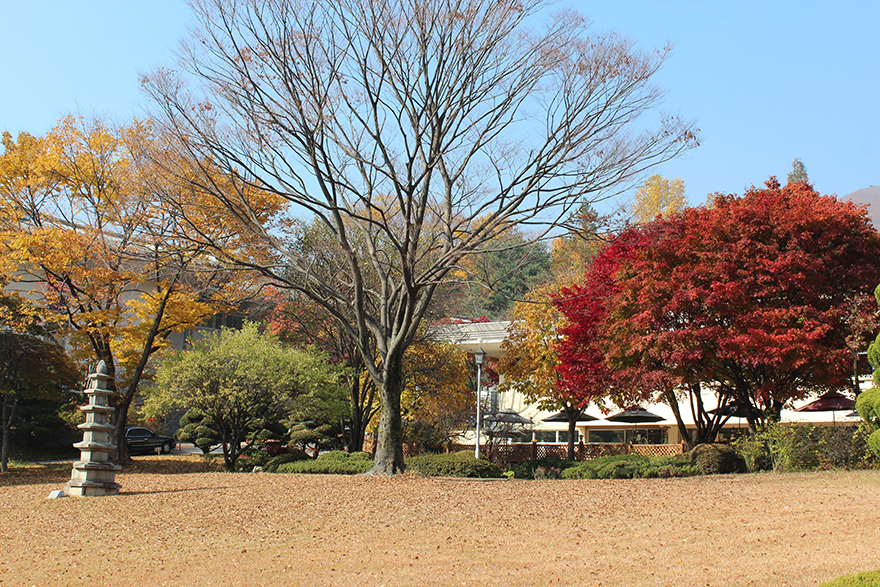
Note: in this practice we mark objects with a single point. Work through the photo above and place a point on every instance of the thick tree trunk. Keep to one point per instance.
(6, 421)
(389, 446)
(672, 402)
(120, 420)
(572, 430)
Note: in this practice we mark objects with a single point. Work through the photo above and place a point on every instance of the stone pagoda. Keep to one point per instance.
(94, 473)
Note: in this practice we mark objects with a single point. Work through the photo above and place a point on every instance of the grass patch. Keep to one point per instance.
(868, 579)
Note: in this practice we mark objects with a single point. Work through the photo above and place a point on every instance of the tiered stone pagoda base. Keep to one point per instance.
(91, 478)
(94, 474)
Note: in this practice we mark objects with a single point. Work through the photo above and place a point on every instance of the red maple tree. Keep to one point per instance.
(749, 295)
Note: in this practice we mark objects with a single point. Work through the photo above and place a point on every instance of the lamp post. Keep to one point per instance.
(479, 355)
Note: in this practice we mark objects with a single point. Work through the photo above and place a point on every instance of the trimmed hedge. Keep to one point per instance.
(805, 447)
(632, 467)
(335, 462)
(458, 464)
(868, 579)
(292, 456)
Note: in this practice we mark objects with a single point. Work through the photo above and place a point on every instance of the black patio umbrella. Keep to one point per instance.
(733, 410)
(507, 423)
(635, 415)
(507, 416)
(830, 401)
(561, 416)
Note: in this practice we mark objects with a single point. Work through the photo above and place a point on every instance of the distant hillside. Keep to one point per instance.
(871, 197)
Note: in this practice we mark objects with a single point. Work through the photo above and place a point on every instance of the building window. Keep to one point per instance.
(607, 436)
(637, 436)
(218, 321)
(553, 436)
(646, 436)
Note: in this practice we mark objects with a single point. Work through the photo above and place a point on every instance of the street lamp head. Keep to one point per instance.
(479, 355)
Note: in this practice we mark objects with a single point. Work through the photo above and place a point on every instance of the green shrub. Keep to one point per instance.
(715, 459)
(868, 579)
(666, 467)
(251, 457)
(291, 456)
(632, 467)
(868, 406)
(198, 428)
(335, 462)
(800, 447)
(527, 469)
(582, 471)
(874, 442)
(610, 467)
(459, 464)
(334, 455)
(755, 452)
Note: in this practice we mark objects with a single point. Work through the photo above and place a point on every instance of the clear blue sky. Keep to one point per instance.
(766, 81)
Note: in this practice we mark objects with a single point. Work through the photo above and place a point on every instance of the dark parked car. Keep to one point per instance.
(145, 441)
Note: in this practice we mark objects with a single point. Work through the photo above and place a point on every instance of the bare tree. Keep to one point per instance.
(417, 131)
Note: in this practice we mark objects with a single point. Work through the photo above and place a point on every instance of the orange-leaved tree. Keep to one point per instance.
(437, 400)
(84, 237)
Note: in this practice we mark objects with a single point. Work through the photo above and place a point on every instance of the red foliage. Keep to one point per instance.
(751, 294)
(582, 365)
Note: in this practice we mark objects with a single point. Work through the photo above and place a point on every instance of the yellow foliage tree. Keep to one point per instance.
(529, 365)
(658, 196)
(437, 400)
(84, 238)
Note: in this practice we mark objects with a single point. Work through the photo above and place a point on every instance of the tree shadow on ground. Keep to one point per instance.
(36, 474)
(59, 472)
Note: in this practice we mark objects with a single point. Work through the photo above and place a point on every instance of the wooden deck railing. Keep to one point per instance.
(517, 453)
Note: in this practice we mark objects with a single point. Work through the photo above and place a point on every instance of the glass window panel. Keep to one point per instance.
(607, 436)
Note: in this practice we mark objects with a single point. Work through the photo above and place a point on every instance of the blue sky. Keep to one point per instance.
(765, 81)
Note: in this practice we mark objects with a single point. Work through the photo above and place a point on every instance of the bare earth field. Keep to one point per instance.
(170, 526)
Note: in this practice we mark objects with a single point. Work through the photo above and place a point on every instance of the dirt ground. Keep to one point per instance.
(173, 527)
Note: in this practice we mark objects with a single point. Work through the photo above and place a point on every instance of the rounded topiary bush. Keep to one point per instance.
(869, 579)
(868, 406)
(715, 459)
(459, 464)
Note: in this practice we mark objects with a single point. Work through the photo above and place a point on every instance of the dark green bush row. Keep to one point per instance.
(869, 579)
(336, 462)
(459, 464)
